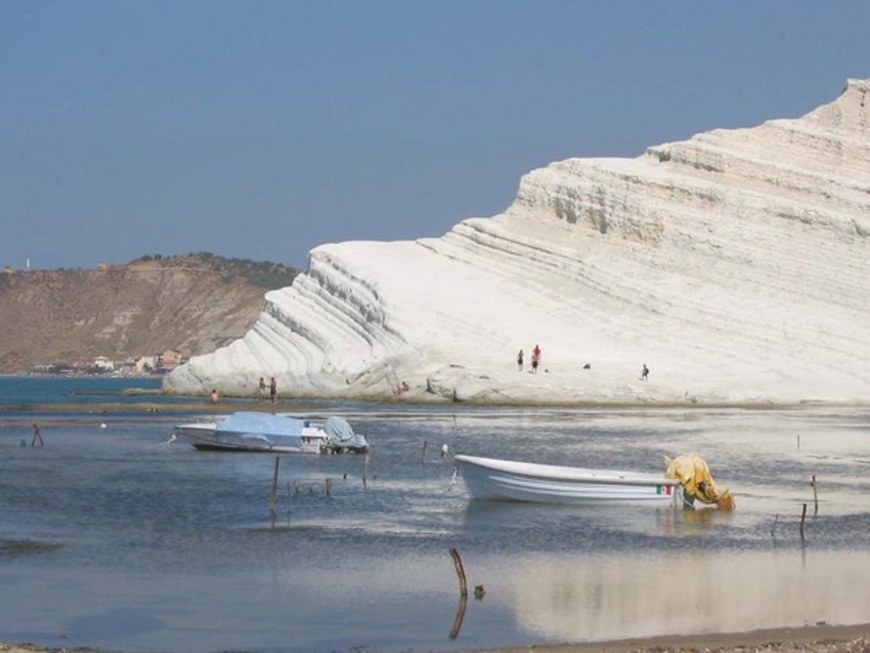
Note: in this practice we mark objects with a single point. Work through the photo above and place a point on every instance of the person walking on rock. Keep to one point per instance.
(536, 359)
(520, 361)
(644, 373)
(273, 390)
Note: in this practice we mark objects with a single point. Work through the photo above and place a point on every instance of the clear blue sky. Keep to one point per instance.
(262, 129)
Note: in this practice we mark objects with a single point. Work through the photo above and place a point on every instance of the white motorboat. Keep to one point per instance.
(686, 478)
(508, 480)
(252, 431)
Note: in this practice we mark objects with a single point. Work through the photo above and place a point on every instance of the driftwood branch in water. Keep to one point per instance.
(463, 594)
(460, 572)
(459, 618)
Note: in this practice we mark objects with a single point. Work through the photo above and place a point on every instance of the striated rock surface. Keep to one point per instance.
(736, 265)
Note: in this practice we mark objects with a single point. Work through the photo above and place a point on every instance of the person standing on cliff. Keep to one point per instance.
(273, 389)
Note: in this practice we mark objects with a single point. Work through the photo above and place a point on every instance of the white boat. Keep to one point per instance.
(508, 480)
(252, 431)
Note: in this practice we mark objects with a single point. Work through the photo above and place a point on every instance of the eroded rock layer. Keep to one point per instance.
(736, 265)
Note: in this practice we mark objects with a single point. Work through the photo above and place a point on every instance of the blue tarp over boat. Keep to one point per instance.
(264, 424)
(341, 434)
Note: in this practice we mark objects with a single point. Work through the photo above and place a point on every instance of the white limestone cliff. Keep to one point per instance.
(736, 265)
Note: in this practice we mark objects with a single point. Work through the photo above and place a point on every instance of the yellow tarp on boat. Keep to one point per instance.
(694, 475)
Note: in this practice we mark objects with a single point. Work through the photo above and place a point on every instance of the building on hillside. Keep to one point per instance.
(169, 359)
(127, 367)
(103, 364)
(146, 364)
(79, 366)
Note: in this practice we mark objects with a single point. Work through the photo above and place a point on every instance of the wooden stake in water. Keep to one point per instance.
(274, 498)
(815, 496)
(460, 572)
(459, 618)
(803, 519)
(423, 458)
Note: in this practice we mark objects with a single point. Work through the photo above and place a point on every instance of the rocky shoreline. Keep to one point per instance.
(820, 638)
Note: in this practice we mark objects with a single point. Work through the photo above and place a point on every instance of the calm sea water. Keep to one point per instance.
(114, 538)
(24, 391)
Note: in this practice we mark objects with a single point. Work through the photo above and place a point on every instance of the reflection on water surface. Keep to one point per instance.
(588, 598)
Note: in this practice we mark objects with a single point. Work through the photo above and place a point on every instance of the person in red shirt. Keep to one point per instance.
(536, 359)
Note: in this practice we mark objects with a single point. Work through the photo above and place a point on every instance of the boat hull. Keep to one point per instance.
(205, 437)
(504, 480)
(276, 433)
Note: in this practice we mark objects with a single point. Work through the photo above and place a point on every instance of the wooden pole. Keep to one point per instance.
(365, 468)
(329, 487)
(274, 497)
(459, 618)
(803, 519)
(423, 458)
(460, 572)
(815, 496)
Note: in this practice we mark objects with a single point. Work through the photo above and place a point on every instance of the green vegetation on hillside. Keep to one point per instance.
(263, 274)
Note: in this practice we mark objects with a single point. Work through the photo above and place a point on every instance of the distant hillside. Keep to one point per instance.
(194, 303)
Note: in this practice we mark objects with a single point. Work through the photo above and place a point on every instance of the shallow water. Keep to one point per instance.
(113, 539)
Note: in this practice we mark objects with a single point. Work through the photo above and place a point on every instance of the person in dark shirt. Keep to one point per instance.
(37, 436)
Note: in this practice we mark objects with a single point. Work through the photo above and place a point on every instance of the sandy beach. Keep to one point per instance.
(818, 639)
(821, 638)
